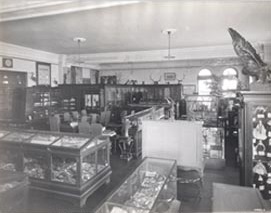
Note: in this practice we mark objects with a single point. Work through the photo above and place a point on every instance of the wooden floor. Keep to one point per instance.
(39, 202)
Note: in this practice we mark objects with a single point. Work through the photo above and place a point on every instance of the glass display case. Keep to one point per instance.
(10, 149)
(69, 165)
(255, 141)
(213, 142)
(202, 108)
(151, 185)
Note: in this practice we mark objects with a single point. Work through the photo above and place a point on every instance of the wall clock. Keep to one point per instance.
(7, 62)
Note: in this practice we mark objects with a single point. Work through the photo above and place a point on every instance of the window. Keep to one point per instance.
(230, 79)
(204, 80)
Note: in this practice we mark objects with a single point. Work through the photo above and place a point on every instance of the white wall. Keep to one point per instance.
(187, 69)
(24, 60)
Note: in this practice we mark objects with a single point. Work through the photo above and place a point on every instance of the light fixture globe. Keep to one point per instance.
(79, 39)
(169, 31)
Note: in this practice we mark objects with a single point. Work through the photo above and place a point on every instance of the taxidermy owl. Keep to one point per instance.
(251, 60)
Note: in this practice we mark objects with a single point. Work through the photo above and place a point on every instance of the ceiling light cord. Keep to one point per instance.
(169, 32)
(169, 37)
(79, 40)
(79, 53)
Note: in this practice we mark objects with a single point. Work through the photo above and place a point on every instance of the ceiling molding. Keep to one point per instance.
(15, 51)
(156, 55)
(25, 10)
(229, 61)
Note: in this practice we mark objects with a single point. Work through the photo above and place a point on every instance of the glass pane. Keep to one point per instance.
(261, 147)
(64, 169)
(205, 72)
(102, 160)
(229, 84)
(203, 86)
(229, 71)
(9, 159)
(35, 165)
(71, 142)
(18, 136)
(141, 189)
(88, 167)
(43, 139)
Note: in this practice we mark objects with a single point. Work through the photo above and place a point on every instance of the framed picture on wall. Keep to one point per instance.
(189, 89)
(170, 76)
(43, 73)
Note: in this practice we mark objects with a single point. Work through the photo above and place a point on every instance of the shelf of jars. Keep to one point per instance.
(69, 165)
(150, 188)
(202, 108)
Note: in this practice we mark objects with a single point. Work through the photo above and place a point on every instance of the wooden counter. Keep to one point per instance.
(231, 198)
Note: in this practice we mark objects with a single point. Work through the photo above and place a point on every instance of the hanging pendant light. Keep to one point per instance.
(79, 41)
(169, 32)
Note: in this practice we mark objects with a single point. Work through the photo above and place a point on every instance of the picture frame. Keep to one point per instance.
(189, 89)
(43, 73)
(170, 76)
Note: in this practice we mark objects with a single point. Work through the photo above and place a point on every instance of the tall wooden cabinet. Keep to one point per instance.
(255, 141)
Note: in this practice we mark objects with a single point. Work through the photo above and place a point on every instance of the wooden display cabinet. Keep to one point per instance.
(70, 166)
(254, 141)
(86, 165)
(121, 94)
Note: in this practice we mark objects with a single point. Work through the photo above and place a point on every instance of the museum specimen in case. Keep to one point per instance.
(151, 186)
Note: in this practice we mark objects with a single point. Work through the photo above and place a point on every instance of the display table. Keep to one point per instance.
(71, 166)
(150, 188)
(231, 198)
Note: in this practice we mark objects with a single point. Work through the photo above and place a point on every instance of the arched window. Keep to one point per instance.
(204, 80)
(230, 79)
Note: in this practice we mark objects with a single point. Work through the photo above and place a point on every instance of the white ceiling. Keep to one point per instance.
(51, 25)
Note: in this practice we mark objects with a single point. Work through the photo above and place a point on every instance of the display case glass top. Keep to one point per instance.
(141, 189)
(71, 142)
(18, 136)
(3, 133)
(42, 139)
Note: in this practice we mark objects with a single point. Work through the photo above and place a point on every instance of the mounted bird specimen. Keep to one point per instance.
(251, 60)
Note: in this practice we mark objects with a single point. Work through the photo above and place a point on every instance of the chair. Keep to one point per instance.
(102, 118)
(54, 122)
(125, 145)
(107, 117)
(75, 115)
(190, 183)
(84, 127)
(96, 129)
(66, 117)
(94, 118)
(83, 112)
